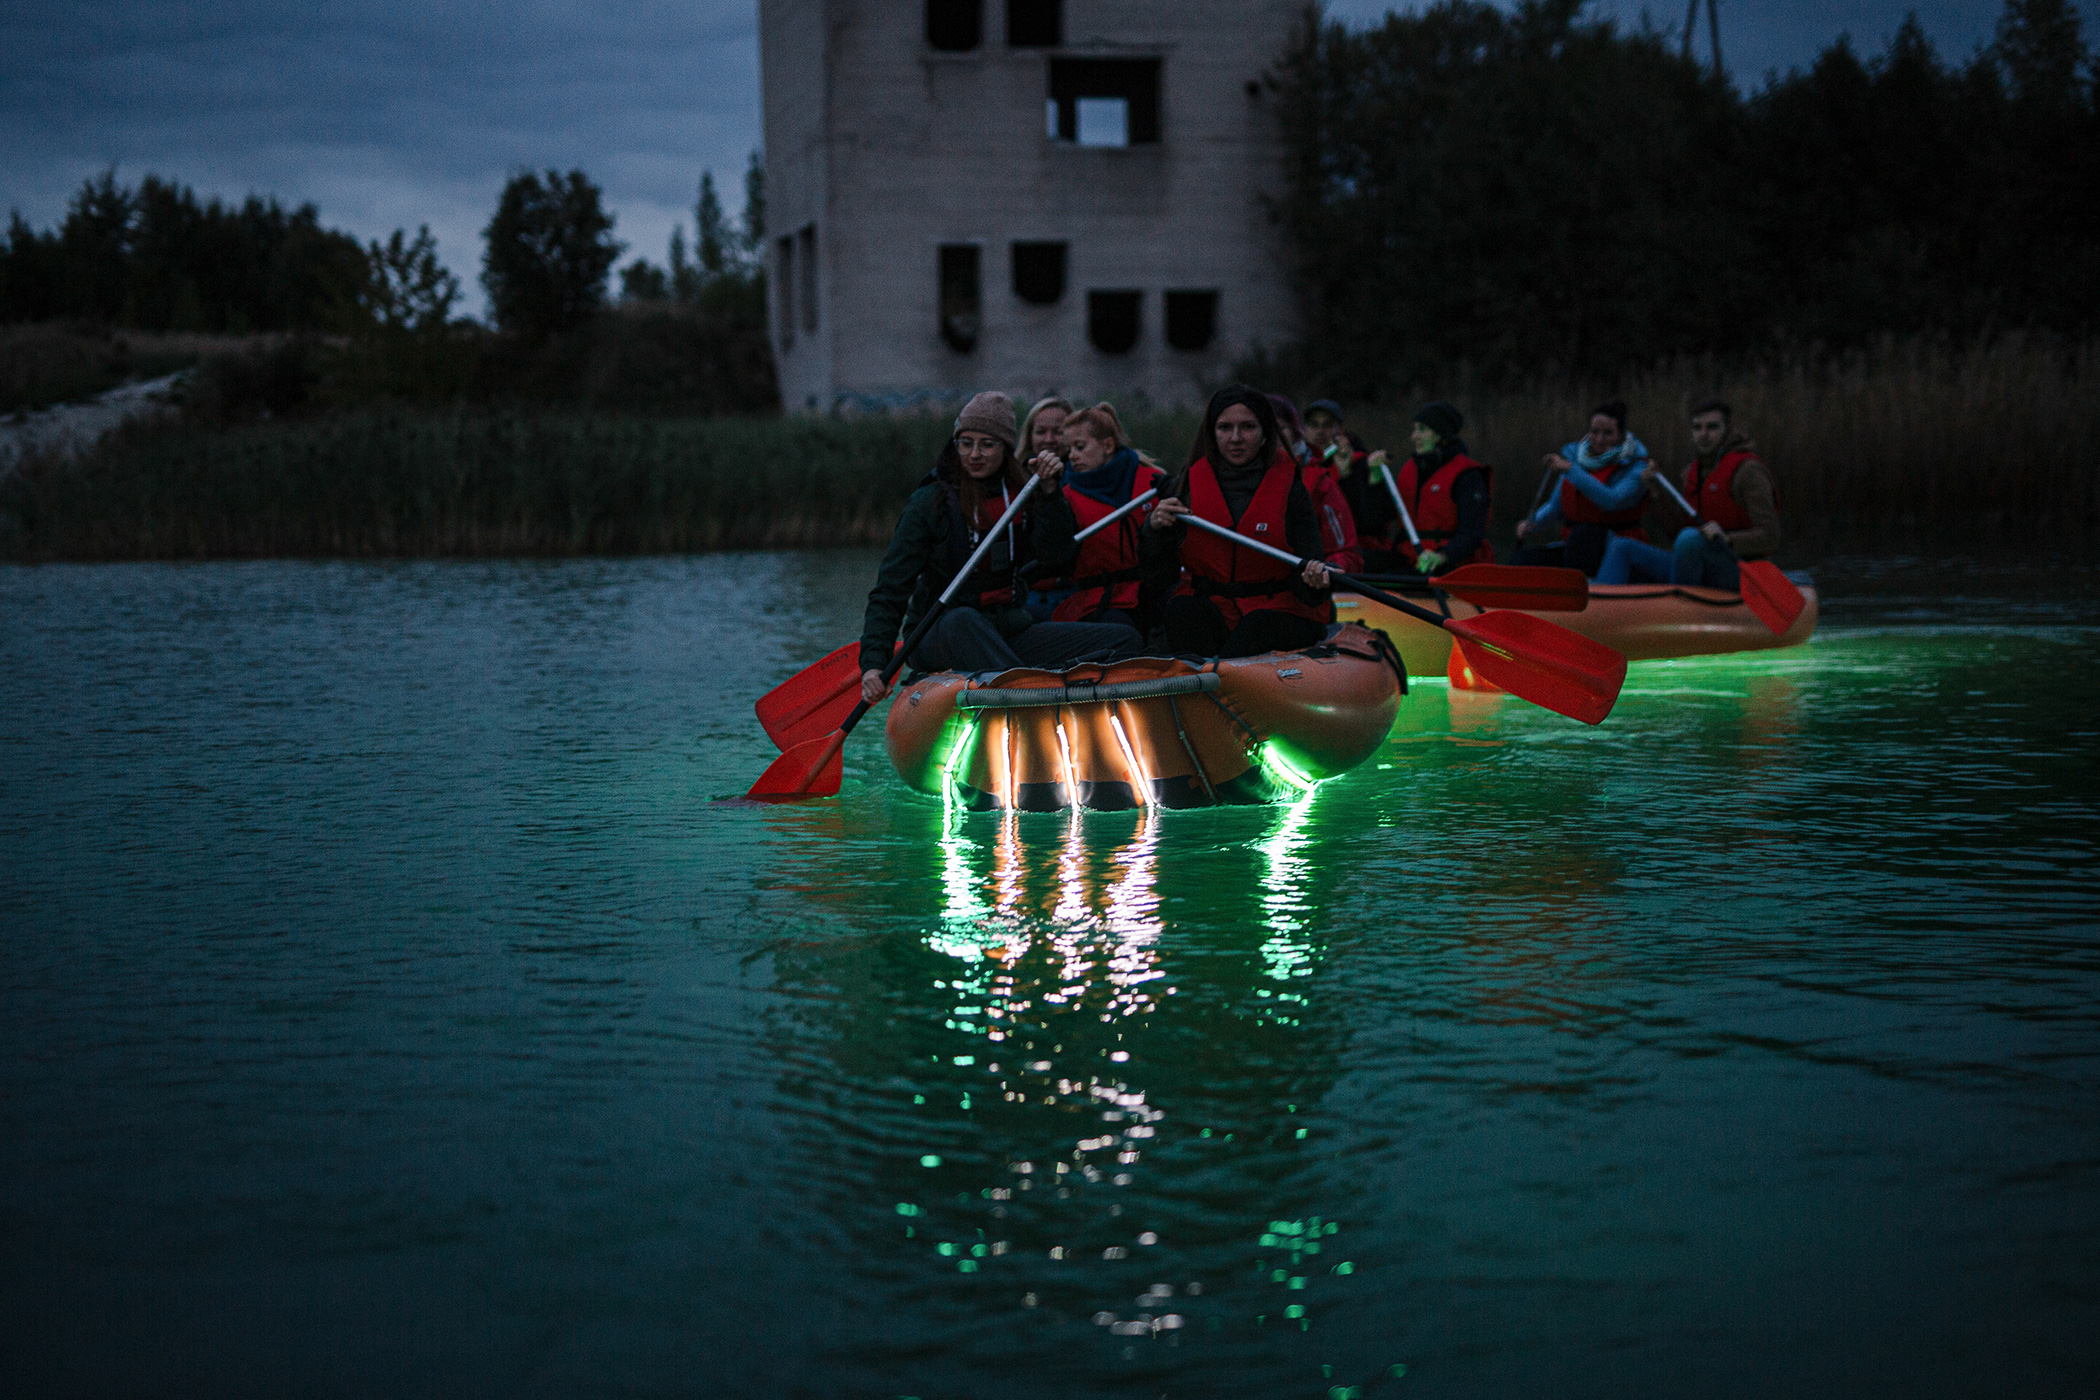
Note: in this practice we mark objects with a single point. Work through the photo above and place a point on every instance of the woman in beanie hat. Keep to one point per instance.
(1447, 495)
(986, 628)
(1232, 601)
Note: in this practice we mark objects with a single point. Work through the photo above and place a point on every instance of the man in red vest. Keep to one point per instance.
(1728, 484)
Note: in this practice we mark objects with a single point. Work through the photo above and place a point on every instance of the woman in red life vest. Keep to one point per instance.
(985, 629)
(1233, 601)
(1447, 494)
(1732, 490)
(1603, 492)
(1337, 523)
(1103, 470)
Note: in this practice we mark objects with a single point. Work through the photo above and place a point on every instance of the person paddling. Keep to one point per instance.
(1104, 470)
(1447, 495)
(1603, 492)
(1232, 601)
(1043, 430)
(1323, 485)
(1731, 488)
(943, 521)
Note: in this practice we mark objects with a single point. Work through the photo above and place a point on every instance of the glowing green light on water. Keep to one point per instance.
(1281, 769)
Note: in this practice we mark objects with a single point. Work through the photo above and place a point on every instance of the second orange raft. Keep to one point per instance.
(1152, 731)
(1640, 621)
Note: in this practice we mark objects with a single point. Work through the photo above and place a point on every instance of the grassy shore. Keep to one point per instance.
(1911, 441)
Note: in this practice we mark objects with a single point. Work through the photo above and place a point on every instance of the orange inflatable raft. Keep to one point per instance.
(1640, 621)
(1158, 731)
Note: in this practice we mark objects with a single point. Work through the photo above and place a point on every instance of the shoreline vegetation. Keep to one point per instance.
(1907, 440)
(1886, 264)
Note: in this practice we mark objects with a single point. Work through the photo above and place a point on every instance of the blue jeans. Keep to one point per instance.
(1694, 559)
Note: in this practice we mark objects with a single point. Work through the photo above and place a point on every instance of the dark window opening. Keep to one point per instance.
(784, 282)
(1192, 319)
(1112, 320)
(1034, 24)
(955, 26)
(1039, 272)
(808, 291)
(962, 299)
(1104, 101)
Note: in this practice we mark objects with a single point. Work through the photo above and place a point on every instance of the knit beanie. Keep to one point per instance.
(990, 412)
(1440, 418)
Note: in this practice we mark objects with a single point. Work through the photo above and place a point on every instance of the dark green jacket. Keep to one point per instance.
(917, 567)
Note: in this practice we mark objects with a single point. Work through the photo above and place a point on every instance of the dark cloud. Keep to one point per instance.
(387, 113)
(383, 113)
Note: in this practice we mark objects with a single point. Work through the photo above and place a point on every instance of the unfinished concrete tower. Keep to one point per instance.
(1030, 195)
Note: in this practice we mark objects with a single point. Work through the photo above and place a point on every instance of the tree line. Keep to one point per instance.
(1529, 192)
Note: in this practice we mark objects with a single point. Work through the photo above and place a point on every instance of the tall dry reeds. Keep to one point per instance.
(1912, 438)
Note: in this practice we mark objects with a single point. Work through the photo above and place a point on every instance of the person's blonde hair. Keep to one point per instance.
(1028, 424)
(1101, 421)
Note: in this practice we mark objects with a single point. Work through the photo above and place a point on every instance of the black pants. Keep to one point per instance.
(1195, 627)
(966, 640)
(1582, 549)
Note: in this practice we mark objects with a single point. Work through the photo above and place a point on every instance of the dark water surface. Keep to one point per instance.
(389, 1007)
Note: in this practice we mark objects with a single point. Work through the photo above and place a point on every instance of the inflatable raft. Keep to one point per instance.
(1152, 731)
(1640, 621)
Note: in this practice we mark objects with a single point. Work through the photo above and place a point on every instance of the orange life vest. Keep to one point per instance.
(1712, 493)
(1242, 581)
(1435, 514)
(1106, 574)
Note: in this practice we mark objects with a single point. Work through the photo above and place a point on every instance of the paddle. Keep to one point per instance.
(1392, 489)
(1526, 656)
(813, 768)
(1532, 588)
(815, 700)
(1766, 591)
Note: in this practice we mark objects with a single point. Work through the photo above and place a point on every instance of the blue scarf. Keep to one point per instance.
(1629, 452)
(1110, 482)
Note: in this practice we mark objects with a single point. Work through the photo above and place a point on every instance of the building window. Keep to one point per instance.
(1039, 272)
(1104, 101)
(1034, 24)
(1192, 319)
(1112, 320)
(784, 283)
(808, 271)
(955, 26)
(962, 296)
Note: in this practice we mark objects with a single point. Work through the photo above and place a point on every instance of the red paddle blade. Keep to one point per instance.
(1534, 660)
(1519, 586)
(810, 769)
(801, 707)
(1771, 595)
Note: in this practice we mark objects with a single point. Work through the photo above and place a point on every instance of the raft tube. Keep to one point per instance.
(1159, 731)
(1640, 621)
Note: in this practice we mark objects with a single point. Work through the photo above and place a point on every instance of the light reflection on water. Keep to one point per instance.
(385, 991)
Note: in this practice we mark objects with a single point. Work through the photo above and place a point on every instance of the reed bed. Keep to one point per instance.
(1911, 440)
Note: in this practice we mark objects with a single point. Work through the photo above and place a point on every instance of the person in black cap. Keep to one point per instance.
(1447, 494)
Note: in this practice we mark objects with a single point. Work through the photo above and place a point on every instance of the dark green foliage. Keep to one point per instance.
(549, 249)
(1528, 192)
(156, 259)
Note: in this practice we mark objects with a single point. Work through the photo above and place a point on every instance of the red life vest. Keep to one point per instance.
(1106, 574)
(1579, 509)
(1242, 581)
(1435, 514)
(1337, 522)
(1712, 493)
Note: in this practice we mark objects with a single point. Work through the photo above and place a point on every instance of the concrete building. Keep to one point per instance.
(1031, 195)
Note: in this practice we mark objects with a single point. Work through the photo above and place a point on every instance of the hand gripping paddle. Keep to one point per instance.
(816, 699)
(1526, 656)
(1766, 590)
(813, 768)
